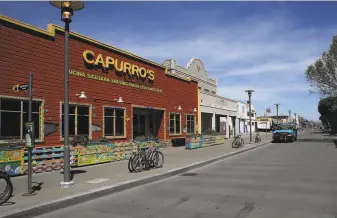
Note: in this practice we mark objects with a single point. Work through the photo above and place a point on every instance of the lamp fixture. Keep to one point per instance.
(82, 95)
(179, 108)
(194, 110)
(68, 8)
(119, 100)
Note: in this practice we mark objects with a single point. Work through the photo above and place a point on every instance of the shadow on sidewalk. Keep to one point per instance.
(37, 187)
(74, 172)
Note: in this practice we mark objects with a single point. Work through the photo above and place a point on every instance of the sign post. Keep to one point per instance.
(29, 134)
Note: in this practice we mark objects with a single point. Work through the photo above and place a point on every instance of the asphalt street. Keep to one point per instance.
(282, 180)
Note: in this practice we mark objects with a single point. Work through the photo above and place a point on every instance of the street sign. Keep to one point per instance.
(22, 87)
(29, 134)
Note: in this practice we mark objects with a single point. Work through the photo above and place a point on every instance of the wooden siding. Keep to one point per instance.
(24, 51)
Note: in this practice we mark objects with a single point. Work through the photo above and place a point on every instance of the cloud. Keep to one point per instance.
(280, 67)
(267, 52)
(263, 93)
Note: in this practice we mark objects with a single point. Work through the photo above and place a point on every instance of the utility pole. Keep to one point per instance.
(289, 115)
(30, 137)
(266, 130)
(277, 105)
(67, 10)
(250, 114)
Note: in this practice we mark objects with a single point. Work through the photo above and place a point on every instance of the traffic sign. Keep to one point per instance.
(22, 87)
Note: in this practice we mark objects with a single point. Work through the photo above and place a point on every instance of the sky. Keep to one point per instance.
(264, 46)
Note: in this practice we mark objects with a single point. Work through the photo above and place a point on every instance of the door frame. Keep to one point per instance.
(135, 106)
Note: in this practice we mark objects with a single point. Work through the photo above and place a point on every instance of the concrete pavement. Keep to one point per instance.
(95, 179)
(283, 180)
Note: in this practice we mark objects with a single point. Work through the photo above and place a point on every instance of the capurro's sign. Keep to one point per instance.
(121, 66)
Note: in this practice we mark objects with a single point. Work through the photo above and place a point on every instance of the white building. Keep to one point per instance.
(216, 112)
(242, 121)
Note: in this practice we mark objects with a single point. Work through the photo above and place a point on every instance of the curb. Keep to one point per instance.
(47, 207)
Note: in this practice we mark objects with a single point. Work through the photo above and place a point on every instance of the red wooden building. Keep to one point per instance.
(126, 95)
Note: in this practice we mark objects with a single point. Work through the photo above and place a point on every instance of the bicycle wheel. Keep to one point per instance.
(234, 143)
(151, 159)
(158, 159)
(137, 163)
(130, 168)
(7, 193)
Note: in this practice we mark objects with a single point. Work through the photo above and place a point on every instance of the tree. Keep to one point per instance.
(322, 74)
(327, 107)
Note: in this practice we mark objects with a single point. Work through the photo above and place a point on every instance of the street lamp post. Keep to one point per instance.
(277, 113)
(250, 114)
(67, 9)
(289, 115)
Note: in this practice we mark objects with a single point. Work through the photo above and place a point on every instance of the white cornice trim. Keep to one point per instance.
(192, 76)
(218, 96)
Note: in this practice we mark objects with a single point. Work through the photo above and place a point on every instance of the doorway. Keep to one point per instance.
(146, 122)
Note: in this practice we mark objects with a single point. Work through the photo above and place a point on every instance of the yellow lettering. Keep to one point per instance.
(85, 56)
(142, 72)
(127, 67)
(121, 67)
(99, 60)
(151, 75)
(109, 61)
(135, 69)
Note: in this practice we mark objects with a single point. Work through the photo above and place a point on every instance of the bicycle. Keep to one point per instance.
(258, 138)
(148, 158)
(238, 141)
(8, 192)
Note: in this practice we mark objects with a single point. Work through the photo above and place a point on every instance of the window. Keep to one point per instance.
(175, 124)
(114, 124)
(190, 122)
(243, 109)
(206, 90)
(79, 122)
(13, 115)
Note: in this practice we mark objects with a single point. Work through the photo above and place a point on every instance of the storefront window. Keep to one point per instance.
(190, 123)
(79, 123)
(175, 123)
(13, 115)
(114, 122)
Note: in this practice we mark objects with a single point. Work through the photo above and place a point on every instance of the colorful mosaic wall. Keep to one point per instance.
(11, 161)
(50, 158)
(200, 141)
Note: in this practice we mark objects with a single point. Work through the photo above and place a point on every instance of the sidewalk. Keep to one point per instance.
(47, 185)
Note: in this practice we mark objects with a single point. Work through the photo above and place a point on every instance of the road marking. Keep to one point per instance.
(98, 180)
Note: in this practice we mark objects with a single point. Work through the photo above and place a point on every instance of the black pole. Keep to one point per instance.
(30, 120)
(67, 183)
(277, 114)
(266, 127)
(250, 117)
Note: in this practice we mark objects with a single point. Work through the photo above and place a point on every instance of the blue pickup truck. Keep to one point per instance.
(285, 132)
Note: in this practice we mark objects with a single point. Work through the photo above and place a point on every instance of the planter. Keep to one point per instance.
(200, 141)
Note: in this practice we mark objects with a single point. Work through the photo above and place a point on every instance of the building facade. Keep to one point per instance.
(127, 96)
(242, 121)
(217, 113)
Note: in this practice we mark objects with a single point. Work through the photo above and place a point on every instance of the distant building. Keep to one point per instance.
(217, 113)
